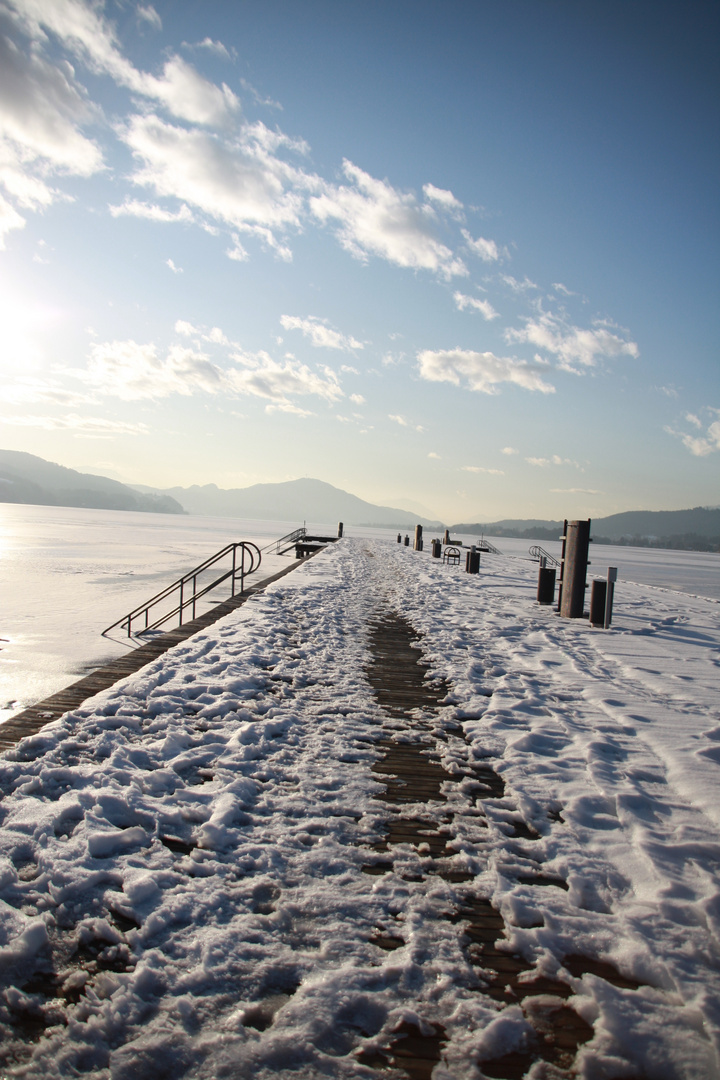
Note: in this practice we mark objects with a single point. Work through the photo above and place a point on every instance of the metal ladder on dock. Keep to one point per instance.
(240, 559)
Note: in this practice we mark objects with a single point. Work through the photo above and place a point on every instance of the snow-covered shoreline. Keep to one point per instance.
(199, 831)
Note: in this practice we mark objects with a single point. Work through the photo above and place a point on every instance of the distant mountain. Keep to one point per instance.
(25, 478)
(293, 500)
(697, 529)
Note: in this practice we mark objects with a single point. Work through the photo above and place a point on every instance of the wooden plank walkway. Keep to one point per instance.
(35, 717)
(412, 773)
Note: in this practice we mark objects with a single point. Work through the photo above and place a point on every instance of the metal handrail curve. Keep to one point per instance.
(537, 552)
(247, 550)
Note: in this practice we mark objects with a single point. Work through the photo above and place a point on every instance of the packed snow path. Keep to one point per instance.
(222, 868)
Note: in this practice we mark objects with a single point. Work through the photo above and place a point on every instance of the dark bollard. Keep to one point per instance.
(546, 585)
(601, 599)
(576, 543)
(418, 538)
(598, 596)
(399, 539)
(446, 539)
(340, 530)
(472, 561)
(407, 540)
(436, 549)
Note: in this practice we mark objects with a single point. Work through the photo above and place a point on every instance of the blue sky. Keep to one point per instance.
(462, 257)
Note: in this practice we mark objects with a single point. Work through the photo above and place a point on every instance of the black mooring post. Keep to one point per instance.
(406, 541)
(574, 569)
(436, 549)
(562, 564)
(418, 538)
(546, 585)
(340, 530)
(399, 539)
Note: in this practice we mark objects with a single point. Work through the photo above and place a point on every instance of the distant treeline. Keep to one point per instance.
(685, 542)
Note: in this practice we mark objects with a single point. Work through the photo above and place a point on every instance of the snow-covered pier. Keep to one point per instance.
(385, 815)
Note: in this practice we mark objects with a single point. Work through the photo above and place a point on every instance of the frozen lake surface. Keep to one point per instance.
(66, 574)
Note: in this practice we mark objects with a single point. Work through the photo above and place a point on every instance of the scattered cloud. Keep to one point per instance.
(357, 399)
(572, 345)
(243, 184)
(559, 287)
(216, 47)
(483, 372)
(42, 110)
(487, 250)
(132, 372)
(83, 426)
(481, 469)
(151, 211)
(320, 333)
(85, 32)
(518, 286)
(403, 422)
(443, 198)
(175, 269)
(668, 391)
(373, 218)
(700, 445)
(485, 308)
(576, 491)
(29, 391)
(435, 456)
(544, 463)
(148, 14)
(509, 450)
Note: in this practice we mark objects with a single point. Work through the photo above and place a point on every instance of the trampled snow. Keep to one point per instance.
(187, 848)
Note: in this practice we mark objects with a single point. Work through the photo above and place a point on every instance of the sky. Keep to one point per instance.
(460, 258)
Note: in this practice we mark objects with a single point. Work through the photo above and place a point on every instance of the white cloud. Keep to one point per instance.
(544, 463)
(700, 445)
(401, 420)
(185, 328)
(375, 219)
(213, 46)
(175, 269)
(132, 372)
(357, 399)
(82, 426)
(483, 372)
(487, 250)
(576, 491)
(151, 211)
(9, 220)
(443, 198)
(436, 457)
(241, 184)
(261, 376)
(480, 469)
(509, 450)
(29, 390)
(148, 14)
(320, 333)
(485, 308)
(88, 35)
(518, 286)
(572, 345)
(41, 111)
(559, 287)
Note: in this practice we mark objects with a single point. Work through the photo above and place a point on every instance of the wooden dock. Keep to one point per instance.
(32, 719)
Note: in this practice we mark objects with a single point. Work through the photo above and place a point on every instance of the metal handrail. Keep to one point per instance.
(537, 552)
(286, 542)
(241, 571)
(485, 545)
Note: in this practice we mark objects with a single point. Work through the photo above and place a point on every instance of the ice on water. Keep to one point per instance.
(201, 828)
